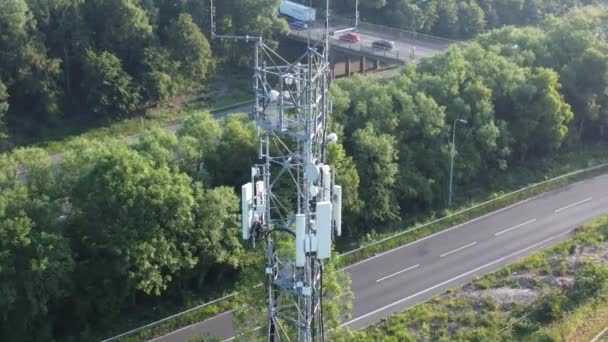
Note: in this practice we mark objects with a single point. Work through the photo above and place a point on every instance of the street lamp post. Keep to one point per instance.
(415, 30)
(356, 15)
(453, 154)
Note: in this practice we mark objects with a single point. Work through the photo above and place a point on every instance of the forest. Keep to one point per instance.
(114, 228)
(102, 60)
(525, 94)
(453, 18)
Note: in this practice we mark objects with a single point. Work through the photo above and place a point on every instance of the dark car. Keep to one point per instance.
(350, 37)
(383, 45)
(298, 25)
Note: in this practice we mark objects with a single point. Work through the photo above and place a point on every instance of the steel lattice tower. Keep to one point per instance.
(291, 111)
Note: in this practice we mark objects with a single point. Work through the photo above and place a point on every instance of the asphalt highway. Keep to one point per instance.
(406, 49)
(397, 279)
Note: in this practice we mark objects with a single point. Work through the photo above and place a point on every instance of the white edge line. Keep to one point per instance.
(513, 228)
(458, 249)
(440, 232)
(446, 282)
(396, 273)
(233, 337)
(572, 205)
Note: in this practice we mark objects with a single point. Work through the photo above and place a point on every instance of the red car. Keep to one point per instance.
(350, 37)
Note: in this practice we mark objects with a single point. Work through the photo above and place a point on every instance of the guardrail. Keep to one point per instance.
(392, 33)
(154, 324)
(376, 243)
(393, 54)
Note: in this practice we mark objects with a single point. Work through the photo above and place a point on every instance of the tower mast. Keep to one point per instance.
(295, 224)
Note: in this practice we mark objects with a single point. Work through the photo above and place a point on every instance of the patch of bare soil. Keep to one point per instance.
(582, 254)
(506, 296)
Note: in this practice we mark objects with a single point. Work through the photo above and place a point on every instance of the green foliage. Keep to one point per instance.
(450, 18)
(347, 176)
(3, 110)
(190, 49)
(36, 258)
(236, 152)
(592, 279)
(110, 90)
(65, 59)
(201, 133)
(161, 80)
(377, 165)
(28, 73)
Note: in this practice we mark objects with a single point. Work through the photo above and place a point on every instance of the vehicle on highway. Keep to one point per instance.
(298, 25)
(383, 44)
(350, 37)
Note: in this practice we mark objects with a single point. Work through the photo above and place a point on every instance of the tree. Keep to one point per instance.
(120, 27)
(161, 79)
(36, 258)
(253, 17)
(110, 91)
(218, 226)
(447, 22)
(347, 176)
(376, 159)
(540, 115)
(131, 227)
(202, 133)
(236, 152)
(158, 145)
(29, 75)
(585, 81)
(3, 110)
(471, 18)
(62, 25)
(189, 47)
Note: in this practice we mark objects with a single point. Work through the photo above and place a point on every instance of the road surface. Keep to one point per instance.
(406, 48)
(413, 273)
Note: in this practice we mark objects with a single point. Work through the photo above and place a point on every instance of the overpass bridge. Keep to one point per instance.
(410, 47)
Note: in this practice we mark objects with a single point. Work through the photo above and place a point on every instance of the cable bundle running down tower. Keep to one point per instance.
(291, 112)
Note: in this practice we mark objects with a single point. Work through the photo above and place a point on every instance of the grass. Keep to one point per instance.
(229, 90)
(559, 313)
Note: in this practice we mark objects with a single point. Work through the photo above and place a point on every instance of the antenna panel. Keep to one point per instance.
(323, 230)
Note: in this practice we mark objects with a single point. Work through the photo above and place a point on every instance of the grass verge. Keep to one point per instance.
(551, 295)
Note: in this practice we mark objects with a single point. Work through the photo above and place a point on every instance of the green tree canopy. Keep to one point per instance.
(36, 258)
(189, 47)
(110, 91)
(377, 165)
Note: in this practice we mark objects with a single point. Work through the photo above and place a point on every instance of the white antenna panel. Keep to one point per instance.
(311, 243)
(300, 240)
(323, 222)
(326, 182)
(337, 209)
(259, 198)
(247, 209)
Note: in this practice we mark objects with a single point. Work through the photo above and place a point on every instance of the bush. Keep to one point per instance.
(590, 280)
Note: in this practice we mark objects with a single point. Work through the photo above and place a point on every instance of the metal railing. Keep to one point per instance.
(475, 207)
(394, 54)
(392, 33)
(593, 168)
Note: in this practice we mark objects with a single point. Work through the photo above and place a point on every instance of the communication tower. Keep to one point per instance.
(291, 109)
